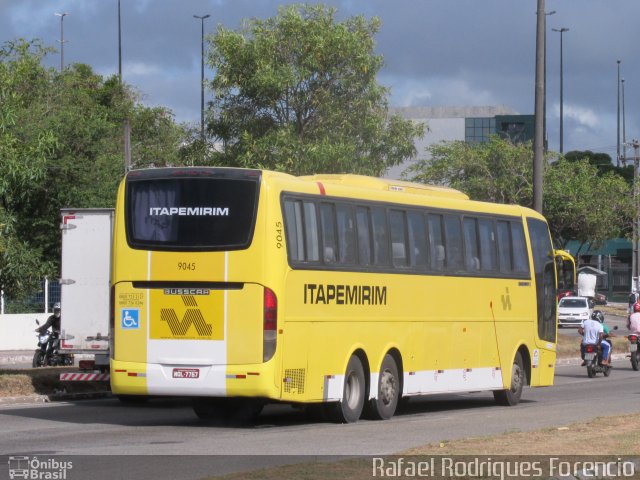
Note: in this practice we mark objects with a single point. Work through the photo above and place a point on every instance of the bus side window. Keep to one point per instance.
(346, 234)
(398, 225)
(328, 223)
(488, 261)
(520, 255)
(311, 230)
(504, 246)
(471, 255)
(436, 242)
(380, 236)
(294, 229)
(364, 238)
(418, 254)
(453, 242)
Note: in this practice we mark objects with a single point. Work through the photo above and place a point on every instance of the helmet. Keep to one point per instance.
(597, 315)
(56, 306)
(636, 307)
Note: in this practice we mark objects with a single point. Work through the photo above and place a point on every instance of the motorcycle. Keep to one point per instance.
(593, 360)
(48, 352)
(634, 341)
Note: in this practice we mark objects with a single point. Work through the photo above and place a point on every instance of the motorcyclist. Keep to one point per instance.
(605, 343)
(592, 331)
(633, 322)
(53, 321)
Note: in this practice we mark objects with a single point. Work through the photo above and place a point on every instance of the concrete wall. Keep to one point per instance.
(17, 331)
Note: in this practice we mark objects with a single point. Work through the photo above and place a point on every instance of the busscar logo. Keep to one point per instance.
(189, 211)
(186, 291)
(193, 316)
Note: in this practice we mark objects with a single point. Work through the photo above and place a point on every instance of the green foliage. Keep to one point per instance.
(492, 171)
(579, 200)
(583, 204)
(61, 146)
(298, 93)
(602, 162)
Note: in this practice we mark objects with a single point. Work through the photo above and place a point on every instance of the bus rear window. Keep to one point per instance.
(191, 213)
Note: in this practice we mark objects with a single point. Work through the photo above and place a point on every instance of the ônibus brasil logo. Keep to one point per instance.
(33, 468)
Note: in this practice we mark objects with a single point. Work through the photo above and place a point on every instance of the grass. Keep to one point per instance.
(618, 436)
(569, 343)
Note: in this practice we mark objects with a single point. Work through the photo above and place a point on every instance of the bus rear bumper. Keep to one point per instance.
(132, 378)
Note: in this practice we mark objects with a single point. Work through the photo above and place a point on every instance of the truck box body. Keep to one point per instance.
(86, 257)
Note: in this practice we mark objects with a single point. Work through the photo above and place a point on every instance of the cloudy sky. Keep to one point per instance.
(436, 52)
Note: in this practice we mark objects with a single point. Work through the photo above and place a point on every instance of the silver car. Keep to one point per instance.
(572, 311)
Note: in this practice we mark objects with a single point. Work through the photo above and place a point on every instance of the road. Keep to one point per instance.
(168, 427)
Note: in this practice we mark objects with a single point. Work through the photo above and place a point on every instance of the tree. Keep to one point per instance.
(298, 93)
(579, 202)
(602, 162)
(493, 171)
(61, 146)
(582, 204)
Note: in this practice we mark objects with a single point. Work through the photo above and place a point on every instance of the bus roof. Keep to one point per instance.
(374, 183)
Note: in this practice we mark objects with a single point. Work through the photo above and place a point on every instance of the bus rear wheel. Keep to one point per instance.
(384, 406)
(512, 396)
(349, 409)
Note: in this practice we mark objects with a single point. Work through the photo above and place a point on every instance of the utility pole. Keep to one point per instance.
(636, 221)
(202, 19)
(61, 15)
(618, 120)
(538, 146)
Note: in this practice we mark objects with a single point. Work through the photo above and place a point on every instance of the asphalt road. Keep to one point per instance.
(169, 429)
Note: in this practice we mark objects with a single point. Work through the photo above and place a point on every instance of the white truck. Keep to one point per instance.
(84, 283)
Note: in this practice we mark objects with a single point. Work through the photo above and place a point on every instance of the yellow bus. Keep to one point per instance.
(238, 287)
(566, 271)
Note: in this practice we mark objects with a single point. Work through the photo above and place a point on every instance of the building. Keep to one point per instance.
(470, 124)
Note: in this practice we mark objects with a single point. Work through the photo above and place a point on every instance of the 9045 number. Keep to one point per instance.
(186, 266)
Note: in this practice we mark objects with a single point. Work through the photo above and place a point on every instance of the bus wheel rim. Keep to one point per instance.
(352, 393)
(387, 387)
(516, 378)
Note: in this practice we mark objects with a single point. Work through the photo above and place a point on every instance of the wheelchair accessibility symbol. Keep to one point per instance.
(130, 318)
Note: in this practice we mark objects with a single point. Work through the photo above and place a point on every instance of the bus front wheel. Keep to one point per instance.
(512, 396)
(349, 409)
(384, 405)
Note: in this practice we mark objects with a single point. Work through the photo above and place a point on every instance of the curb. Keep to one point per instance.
(562, 362)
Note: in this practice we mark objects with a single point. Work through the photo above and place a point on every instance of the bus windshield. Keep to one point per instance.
(203, 213)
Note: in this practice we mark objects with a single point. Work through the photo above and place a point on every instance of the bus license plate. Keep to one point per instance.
(186, 373)
(589, 356)
(633, 347)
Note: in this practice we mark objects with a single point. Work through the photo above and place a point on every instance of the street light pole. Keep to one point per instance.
(624, 129)
(119, 46)
(61, 15)
(202, 18)
(618, 120)
(561, 31)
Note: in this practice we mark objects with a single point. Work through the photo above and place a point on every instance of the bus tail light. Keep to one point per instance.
(112, 319)
(270, 324)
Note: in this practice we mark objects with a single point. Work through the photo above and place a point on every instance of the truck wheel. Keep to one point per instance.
(384, 406)
(512, 396)
(349, 409)
(38, 359)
